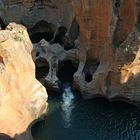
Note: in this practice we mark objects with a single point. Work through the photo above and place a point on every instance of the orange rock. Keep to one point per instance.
(23, 98)
(128, 18)
(94, 18)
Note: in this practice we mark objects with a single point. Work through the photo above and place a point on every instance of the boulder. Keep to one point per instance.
(23, 98)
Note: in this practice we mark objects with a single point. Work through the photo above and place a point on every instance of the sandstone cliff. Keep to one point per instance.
(23, 98)
(105, 37)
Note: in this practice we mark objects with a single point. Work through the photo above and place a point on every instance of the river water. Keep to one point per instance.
(69, 117)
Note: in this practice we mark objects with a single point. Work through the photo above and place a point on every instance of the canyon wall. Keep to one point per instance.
(106, 41)
(31, 12)
(23, 98)
(108, 34)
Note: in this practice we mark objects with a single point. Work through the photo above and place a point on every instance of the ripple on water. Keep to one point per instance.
(70, 117)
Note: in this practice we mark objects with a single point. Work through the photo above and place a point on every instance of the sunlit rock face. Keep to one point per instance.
(97, 23)
(106, 38)
(23, 98)
(123, 80)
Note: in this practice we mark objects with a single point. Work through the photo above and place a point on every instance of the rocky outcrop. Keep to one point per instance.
(127, 19)
(23, 98)
(103, 23)
(97, 23)
(33, 12)
(54, 55)
(108, 49)
(117, 80)
(125, 75)
(100, 35)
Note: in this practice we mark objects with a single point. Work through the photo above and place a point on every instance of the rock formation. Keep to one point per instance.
(33, 12)
(107, 30)
(23, 98)
(101, 35)
(104, 24)
(53, 54)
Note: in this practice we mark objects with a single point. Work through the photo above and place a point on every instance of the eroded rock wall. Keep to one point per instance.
(127, 19)
(30, 12)
(105, 28)
(97, 23)
(23, 98)
(107, 47)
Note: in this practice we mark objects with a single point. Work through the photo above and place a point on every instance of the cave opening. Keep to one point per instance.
(88, 77)
(90, 69)
(61, 38)
(2, 25)
(36, 37)
(66, 71)
(42, 30)
(60, 33)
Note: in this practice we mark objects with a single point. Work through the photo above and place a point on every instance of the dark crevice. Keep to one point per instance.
(116, 7)
(63, 40)
(1, 60)
(60, 33)
(88, 77)
(43, 25)
(66, 71)
(116, 41)
(108, 83)
(41, 62)
(38, 36)
(41, 73)
(41, 30)
(90, 69)
(138, 21)
(37, 54)
(74, 30)
(2, 25)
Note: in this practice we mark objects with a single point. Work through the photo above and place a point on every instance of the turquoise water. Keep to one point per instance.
(69, 117)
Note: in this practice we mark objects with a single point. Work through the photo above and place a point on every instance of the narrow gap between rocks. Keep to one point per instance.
(42, 30)
(61, 38)
(2, 25)
(66, 71)
(90, 69)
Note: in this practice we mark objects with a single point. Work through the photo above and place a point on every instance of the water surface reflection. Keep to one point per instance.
(72, 118)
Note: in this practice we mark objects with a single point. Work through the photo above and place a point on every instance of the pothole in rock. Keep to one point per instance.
(88, 77)
(36, 37)
(66, 71)
(42, 30)
(90, 69)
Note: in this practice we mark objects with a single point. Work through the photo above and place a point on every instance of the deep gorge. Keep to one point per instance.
(70, 69)
(71, 117)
